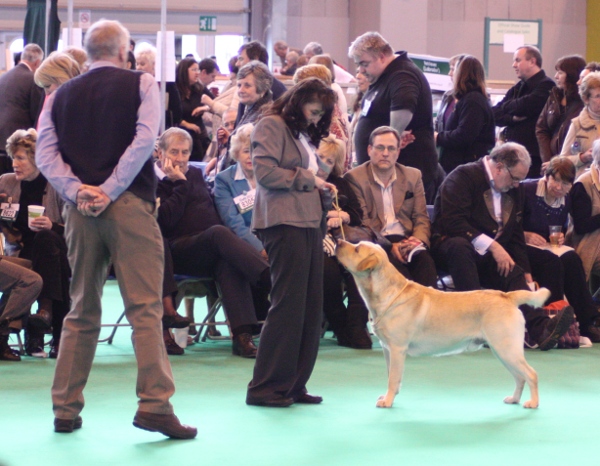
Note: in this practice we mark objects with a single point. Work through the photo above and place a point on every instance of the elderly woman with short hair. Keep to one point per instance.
(254, 82)
(547, 202)
(42, 241)
(585, 128)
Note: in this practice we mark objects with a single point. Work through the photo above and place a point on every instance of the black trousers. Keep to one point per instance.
(234, 264)
(290, 337)
(337, 314)
(472, 271)
(420, 269)
(48, 255)
(564, 275)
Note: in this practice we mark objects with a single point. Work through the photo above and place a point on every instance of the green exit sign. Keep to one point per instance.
(208, 23)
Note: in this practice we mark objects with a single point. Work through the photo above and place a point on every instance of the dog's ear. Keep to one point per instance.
(367, 264)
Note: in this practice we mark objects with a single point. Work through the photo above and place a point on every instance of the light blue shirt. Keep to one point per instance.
(58, 173)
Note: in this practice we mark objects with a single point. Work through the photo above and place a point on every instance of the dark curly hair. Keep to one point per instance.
(290, 105)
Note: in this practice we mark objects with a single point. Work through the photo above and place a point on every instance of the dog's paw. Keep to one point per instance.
(530, 405)
(510, 400)
(383, 403)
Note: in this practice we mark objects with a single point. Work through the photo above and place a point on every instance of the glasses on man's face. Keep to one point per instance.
(381, 148)
(514, 179)
(364, 64)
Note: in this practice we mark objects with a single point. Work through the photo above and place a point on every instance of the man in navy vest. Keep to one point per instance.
(96, 138)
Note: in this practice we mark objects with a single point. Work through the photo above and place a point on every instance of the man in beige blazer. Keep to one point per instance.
(392, 199)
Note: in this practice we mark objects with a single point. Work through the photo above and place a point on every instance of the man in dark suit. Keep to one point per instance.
(523, 103)
(21, 100)
(478, 234)
(392, 199)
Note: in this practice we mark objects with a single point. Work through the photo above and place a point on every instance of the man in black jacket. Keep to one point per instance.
(478, 234)
(523, 103)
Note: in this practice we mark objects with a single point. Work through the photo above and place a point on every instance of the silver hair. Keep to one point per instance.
(314, 47)
(240, 139)
(262, 75)
(511, 154)
(105, 38)
(372, 43)
(167, 138)
(148, 51)
(32, 53)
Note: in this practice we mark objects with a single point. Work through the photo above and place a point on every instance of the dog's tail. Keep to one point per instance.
(533, 298)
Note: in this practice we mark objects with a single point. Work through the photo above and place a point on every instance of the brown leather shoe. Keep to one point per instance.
(175, 321)
(66, 426)
(166, 424)
(171, 346)
(243, 345)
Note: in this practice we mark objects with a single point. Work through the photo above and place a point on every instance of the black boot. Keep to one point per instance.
(6, 352)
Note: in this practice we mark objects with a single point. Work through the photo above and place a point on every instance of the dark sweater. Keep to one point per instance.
(186, 206)
(538, 215)
(95, 116)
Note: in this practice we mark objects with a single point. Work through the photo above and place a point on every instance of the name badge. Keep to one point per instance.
(9, 211)
(245, 202)
(367, 104)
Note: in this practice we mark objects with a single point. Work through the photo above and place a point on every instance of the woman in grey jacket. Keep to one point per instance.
(289, 220)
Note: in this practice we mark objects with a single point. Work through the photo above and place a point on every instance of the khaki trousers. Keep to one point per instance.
(128, 233)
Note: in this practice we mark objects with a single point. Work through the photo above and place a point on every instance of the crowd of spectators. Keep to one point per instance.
(385, 158)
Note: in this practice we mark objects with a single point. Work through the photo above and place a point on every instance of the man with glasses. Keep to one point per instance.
(398, 96)
(478, 234)
(392, 199)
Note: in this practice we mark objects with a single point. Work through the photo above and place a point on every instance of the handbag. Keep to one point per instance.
(570, 340)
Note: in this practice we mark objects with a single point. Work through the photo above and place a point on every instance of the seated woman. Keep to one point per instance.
(235, 188)
(348, 323)
(234, 199)
(40, 241)
(585, 128)
(547, 202)
(585, 196)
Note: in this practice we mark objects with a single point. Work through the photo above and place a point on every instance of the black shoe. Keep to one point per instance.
(592, 331)
(34, 342)
(309, 399)
(166, 424)
(53, 354)
(172, 348)
(175, 321)
(243, 345)
(280, 402)
(354, 337)
(40, 321)
(556, 327)
(66, 426)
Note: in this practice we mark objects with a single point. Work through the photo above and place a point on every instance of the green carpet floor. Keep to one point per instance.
(449, 412)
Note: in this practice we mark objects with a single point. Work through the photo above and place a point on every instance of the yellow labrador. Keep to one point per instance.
(412, 319)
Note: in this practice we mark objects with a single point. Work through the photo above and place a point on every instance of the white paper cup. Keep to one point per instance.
(33, 212)
(180, 335)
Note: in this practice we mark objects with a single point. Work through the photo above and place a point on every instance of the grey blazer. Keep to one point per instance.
(285, 189)
(409, 200)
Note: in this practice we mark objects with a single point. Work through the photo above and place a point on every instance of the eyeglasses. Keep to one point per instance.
(382, 148)
(514, 179)
(363, 64)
